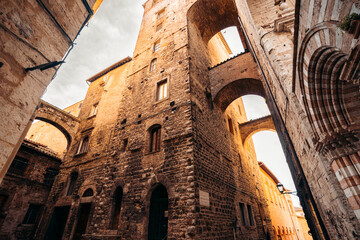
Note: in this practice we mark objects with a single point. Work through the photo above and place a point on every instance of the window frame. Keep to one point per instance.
(157, 46)
(230, 125)
(29, 218)
(14, 167)
(250, 215)
(83, 148)
(153, 65)
(155, 138)
(243, 214)
(159, 26)
(165, 91)
(117, 205)
(71, 184)
(48, 178)
(94, 110)
(160, 14)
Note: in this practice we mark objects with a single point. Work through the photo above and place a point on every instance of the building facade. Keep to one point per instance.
(284, 217)
(32, 50)
(25, 190)
(162, 149)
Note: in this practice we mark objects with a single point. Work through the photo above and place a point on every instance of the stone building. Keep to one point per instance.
(25, 190)
(284, 218)
(35, 37)
(162, 148)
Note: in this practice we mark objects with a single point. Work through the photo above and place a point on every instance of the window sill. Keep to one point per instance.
(92, 116)
(161, 100)
(151, 153)
(80, 154)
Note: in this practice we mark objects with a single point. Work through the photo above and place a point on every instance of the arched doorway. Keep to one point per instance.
(158, 215)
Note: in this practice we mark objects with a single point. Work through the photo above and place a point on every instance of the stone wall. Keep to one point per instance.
(29, 41)
(23, 190)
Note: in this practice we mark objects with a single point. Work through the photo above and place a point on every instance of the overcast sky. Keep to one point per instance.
(111, 36)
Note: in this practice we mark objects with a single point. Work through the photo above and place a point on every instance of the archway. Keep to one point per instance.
(158, 215)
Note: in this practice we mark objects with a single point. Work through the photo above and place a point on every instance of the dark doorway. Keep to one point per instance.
(57, 223)
(158, 219)
(83, 219)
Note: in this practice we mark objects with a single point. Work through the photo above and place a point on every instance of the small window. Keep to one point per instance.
(83, 146)
(117, 208)
(231, 126)
(3, 199)
(160, 14)
(32, 214)
(80, 105)
(162, 89)
(243, 214)
(88, 193)
(50, 175)
(153, 65)
(159, 27)
(94, 110)
(71, 187)
(18, 166)
(156, 46)
(251, 216)
(155, 135)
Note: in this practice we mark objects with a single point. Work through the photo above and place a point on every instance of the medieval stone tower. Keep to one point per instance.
(161, 147)
(153, 157)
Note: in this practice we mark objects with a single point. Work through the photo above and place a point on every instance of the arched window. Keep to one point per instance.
(153, 65)
(155, 137)
(158, 216)
(83, 146)
(73, 178)
(88, 193)
(117, 208)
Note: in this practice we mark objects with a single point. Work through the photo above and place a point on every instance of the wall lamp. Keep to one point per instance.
(282, 190)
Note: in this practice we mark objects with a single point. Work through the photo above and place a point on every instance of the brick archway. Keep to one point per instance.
(60, 119)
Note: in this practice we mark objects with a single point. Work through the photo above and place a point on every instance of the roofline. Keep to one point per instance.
(267, 170)
(37, 147)
(112, 67)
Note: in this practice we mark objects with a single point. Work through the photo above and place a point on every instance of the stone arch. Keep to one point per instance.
(60, 119)
(202, 12)
(230, 92)
(153, 182)
(248, 129)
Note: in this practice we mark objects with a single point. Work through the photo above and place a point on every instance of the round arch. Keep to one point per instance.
(63, 121)
(202, 12)
(236, 89)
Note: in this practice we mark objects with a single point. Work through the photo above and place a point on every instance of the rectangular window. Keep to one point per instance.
(160, 14)
(161, 91)
(251, 216)
(231, 126)
(156, 46)
(243, 214)
(153, 65)
(32, 214)
(18, 166)
(159, 27)
(83, 146)
(94, 110)
(3, 199)
(155, 135)
(50, 175)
